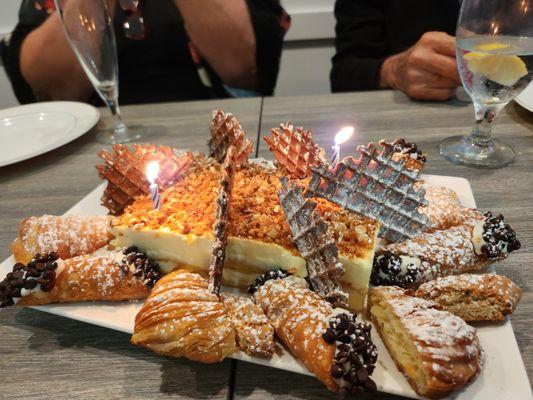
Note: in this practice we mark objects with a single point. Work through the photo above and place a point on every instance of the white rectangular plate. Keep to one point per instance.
(503, 376)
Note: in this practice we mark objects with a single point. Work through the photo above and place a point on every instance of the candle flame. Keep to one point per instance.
(344, 134)
(152, 170)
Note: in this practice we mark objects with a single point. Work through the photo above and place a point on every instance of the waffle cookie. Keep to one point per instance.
(259, 238)
(294, 150)
(124, 169)
(473, 297)
(436, 350)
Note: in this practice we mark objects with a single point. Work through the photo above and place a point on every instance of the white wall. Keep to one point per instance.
(305, 62)
(306, 59)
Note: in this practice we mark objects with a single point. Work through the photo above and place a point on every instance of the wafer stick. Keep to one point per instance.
(218, 250)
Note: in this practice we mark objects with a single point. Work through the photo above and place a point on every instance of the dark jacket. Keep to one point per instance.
(368, 31)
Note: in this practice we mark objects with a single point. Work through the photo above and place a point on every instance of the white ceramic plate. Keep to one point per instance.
(503, 376)
(33, 129)
(525, 99)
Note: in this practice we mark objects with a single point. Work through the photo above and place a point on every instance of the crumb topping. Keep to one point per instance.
(188, 207)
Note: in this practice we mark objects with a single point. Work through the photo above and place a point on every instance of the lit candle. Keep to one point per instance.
(342, 136)
(152, 171)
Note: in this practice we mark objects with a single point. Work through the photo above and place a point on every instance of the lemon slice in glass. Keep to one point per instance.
(501, 68)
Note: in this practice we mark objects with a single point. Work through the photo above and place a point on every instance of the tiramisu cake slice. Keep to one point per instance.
(259, 239)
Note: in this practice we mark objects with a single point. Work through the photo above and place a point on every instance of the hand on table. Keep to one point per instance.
(425, 71)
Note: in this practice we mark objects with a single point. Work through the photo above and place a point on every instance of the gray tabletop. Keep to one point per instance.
(45, 356)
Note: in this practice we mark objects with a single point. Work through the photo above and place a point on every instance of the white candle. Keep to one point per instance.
(342, 136)
(152, 171)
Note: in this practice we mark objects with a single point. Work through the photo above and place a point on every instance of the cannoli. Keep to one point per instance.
(107, 276)
(444, 210)
(67, 235)
(436, 350)
(331, 343)
(473, 297)
(181, 318)
(254, 334)
(414, 159)
(470, 247)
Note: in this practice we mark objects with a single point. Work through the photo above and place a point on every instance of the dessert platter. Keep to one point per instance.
(362, 272)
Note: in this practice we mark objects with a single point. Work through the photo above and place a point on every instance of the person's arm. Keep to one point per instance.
(37, 58)
(41, 58)
(360, 45)
(49, 66)
(425, 71)
(222, 32)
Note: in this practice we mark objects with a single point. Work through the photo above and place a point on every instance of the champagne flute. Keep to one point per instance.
(89, 29)
(494, 46)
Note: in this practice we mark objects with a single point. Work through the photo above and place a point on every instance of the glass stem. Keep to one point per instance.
(485, 116)
(119, 126)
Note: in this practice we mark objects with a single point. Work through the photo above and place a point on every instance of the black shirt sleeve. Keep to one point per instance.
(360, 45)
(31, 15)
(270, 22)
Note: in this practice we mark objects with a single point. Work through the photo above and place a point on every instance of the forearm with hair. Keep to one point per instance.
(49, 66)
(222, 31)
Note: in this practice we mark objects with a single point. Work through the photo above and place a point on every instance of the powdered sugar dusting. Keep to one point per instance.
(443, 252)
(444, 209)
(504, 293)
(255, 335)
(68, 235)
(442, 339)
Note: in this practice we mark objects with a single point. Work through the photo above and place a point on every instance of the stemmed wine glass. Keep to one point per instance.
(89, 29)
(494, 46)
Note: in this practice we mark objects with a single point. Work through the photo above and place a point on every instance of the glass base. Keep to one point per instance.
(462, 150)
(120, 134)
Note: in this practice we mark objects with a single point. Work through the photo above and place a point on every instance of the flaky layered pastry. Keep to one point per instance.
(473, 297)
(436, 350)
(67, 235)
(181, 318)
(259, 238)
(254, 334)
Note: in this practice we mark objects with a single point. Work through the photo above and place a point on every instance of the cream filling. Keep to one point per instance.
(405, 261)
(246, 259)
(60, 268)
(477, 237)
